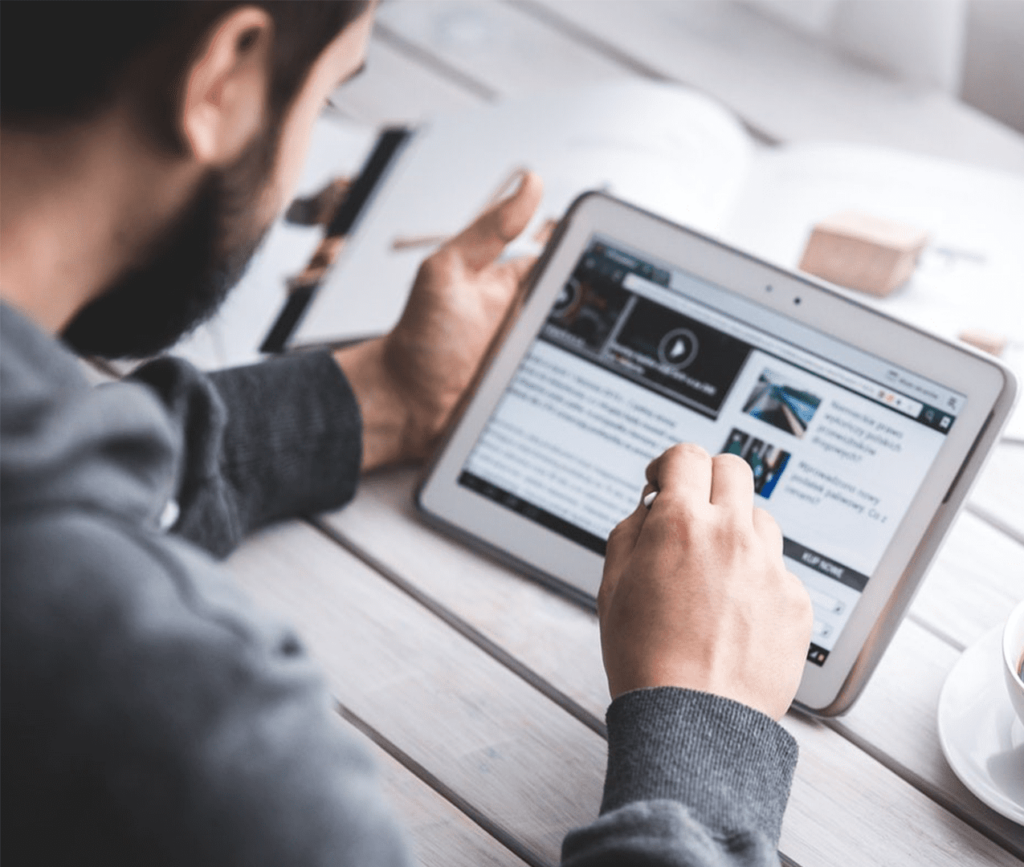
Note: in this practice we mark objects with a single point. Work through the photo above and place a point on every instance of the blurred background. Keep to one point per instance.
(925, 78)
(766, 59)
(971, 49)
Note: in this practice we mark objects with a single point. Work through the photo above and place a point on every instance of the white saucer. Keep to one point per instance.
(981, 737)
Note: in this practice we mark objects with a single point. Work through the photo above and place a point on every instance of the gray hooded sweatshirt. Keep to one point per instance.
(153, 715)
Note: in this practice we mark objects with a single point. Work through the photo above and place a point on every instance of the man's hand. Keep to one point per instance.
(408, 383)
(695, 593)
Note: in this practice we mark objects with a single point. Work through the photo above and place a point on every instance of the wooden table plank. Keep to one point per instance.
(840, 790)
(439, 833)
(532, 769)
(973, 583)
(882, 815)
(896, 716)
(476, 588)
(783, 83)
(999, 491)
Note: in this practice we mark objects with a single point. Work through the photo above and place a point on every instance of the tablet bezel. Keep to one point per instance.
(990, 389)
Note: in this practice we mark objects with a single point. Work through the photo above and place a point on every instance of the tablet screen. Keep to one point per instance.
(637, 355)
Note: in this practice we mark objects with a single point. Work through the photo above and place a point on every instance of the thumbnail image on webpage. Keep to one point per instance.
(627, 364)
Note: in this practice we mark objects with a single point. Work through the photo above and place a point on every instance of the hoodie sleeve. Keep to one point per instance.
(693, 780)
(260, 443)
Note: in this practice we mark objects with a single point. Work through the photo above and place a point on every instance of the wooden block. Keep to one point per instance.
(986, 341)
(862, 252)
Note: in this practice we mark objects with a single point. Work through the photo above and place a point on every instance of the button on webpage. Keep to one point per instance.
(678, 348)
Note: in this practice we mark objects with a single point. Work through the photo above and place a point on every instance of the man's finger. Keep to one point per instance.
(732, 482)
(481, 243)
(684, 472)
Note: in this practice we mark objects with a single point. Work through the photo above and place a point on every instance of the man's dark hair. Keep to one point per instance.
(62, 62)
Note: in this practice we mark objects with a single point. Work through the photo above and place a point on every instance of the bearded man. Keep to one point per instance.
(151, 714)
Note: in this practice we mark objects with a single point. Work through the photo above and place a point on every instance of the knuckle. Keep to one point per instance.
(680, 511)
(730, 460)
(765, 520)
(689, 450)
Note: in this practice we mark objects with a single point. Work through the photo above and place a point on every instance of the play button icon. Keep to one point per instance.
(678, 348)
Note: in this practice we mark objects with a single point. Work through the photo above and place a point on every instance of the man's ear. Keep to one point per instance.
(227, 85)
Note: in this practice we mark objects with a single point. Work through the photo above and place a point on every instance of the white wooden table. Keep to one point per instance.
(482, 693)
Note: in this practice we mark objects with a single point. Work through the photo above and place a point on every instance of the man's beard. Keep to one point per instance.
(187, 274)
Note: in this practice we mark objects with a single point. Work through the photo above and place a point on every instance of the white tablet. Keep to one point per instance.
(863, 432)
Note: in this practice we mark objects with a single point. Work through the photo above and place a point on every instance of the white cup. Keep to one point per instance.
(1013, 658)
